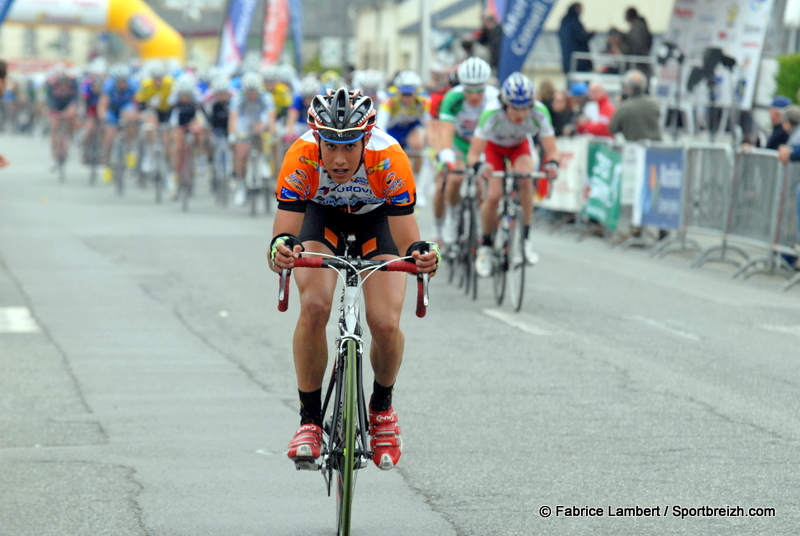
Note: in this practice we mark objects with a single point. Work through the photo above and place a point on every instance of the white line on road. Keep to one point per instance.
(665, 327)
(17, 320)
(791, 329)
(517, 320)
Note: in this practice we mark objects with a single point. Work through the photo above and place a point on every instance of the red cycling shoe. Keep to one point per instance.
(306, 447)
(386, 444)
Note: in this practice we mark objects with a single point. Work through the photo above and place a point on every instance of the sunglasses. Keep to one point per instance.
(474, 89)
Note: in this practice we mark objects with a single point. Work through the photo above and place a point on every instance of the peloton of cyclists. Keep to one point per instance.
(403, 115)
(116, 103)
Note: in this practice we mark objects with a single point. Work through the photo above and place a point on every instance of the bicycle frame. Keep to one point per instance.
(345, 438)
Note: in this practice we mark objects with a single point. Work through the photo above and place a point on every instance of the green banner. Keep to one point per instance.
(605, 173)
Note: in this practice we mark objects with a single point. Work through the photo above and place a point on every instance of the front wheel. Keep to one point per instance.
(346, 448)
(516, 262)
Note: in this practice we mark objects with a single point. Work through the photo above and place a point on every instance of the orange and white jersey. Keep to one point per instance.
(384, 178)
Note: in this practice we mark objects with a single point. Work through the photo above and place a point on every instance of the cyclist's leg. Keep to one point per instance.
(384, 293)
(495, 159)
(416, 143)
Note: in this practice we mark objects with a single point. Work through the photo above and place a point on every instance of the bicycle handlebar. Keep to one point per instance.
(358, 265)
(519, 175)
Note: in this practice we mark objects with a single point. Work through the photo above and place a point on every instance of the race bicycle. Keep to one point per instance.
(460, 256)
(508, 263)
(345, 442)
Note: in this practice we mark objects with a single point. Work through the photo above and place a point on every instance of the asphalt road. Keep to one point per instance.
(147, 386)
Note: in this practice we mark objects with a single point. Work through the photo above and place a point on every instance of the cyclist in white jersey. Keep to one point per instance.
(458, 117)
(506, 134)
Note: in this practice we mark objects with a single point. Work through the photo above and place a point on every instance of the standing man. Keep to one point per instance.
(637, 116)
(574, 38)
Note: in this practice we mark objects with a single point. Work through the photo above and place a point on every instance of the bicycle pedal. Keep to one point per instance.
(306, 464)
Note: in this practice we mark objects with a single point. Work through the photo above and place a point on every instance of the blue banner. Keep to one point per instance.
(5, 5)
(296, 23)
(235, 30)
(662, 197)
(522, 25)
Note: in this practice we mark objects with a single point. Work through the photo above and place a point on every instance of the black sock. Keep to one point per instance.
(381, 399)
(487, 240)
(525, 230)
(311, 407)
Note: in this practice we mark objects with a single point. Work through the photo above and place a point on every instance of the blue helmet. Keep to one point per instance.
(517, 91)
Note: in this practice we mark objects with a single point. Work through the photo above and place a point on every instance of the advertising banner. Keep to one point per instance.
(633, 159)
(662, 188)
(567, 193)
(522, 24)
(276, 26)
(5, 5)
(235, 30)
(738, 28)
(296, 22)
(605, 172)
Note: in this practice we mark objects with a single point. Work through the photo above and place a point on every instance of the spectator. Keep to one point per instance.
(3, 74)
(778, 136)
(790, 152)
(489, 35)
(578, 96)
(637, 41)
(574, 38)
(597, 113)
(545, 94)
(637, 116)
(562, 114)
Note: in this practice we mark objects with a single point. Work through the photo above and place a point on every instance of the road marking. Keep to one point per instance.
(665, 327)
(517, 320)
(790, 330)
(17, 320)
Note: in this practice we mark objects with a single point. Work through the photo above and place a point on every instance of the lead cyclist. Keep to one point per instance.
(335, 179)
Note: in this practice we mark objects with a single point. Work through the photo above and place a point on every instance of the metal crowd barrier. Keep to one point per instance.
(747, 199)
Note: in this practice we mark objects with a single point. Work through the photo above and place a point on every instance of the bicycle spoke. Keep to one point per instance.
(516, 261)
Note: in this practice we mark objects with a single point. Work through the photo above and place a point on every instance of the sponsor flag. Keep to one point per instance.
(235, 29)
(5, 5)
(522, 24)
(296, 21)
(276, 26)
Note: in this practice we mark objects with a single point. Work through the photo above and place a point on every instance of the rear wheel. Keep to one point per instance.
(472, 251)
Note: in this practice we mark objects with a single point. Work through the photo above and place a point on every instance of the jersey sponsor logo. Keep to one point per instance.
(289, 195)
(360, 180)
(393, 185)
(305, 160)
(400, 199)
(385, 164)
(296, 180)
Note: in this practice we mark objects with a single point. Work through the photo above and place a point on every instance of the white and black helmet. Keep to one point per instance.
(341, 116)
(407, 81)
(310, 86)
(474, 71)
(368, 80)
(252, 81)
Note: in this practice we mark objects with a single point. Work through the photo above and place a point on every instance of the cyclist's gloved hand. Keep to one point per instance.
(232, 138)
(288, 240)
(431, 262)
(477, 167)
(551, 168)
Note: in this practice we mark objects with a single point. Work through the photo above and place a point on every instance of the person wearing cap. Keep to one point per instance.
(790, 151)
(778, 136)
(637, 116)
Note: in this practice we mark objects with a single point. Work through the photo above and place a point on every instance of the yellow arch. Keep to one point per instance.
(133, 20)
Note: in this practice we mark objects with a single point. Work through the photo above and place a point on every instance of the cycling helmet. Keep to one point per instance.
(119, 71)
(310, 87)
(330, 79)
(452, 77)
(341, 116)
(220, 85)
(368, 79)
(474, 72)
(407, 81)
(251, 81)
(157, 69)
(517, 91)
(286, 73)
(271, 73)
(185, 84)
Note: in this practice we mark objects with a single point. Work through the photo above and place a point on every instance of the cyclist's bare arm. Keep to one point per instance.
(476, 148)
(102, 107)
(290, 223)
(446, 135)
(551, 153)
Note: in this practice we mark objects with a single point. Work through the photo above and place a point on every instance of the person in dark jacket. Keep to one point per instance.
(778, 136)
(637, 41)
(637, 116)
(574, 38)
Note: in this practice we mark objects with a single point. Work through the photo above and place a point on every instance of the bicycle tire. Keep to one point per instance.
(516, 261)
(346, 464)
(472, 251)
(501, 262)
(119, 166)
(186, 176)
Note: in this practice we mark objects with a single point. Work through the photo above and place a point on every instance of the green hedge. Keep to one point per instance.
(788, 77)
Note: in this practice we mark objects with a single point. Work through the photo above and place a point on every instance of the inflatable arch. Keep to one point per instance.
(133, 20)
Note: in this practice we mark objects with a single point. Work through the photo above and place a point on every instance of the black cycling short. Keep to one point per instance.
(163, 116)
(331, 227)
